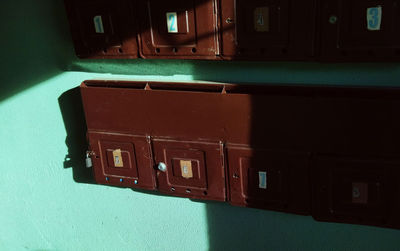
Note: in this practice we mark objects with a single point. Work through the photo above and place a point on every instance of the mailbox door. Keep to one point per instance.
(268, 29)
(268, 179)
(193, 169)
(179, 29)
(361, 191)
(122, 160)
(354, 30)
(103, 29)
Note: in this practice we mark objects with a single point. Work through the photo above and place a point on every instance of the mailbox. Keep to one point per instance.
(178, 29)
(268, 29)
(355, 30)
(268, 179)
(103, 29)
(190, 169)
(122, 160)
(354, 190)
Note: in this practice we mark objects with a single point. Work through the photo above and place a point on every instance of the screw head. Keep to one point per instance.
(135, 181)
(333, 19)
(229, 20)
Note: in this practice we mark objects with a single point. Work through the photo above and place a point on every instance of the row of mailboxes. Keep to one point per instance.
(252, 146)
(333, 30)
(203, 170)
(343, 189)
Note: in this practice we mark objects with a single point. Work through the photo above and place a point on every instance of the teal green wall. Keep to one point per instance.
(48, 202)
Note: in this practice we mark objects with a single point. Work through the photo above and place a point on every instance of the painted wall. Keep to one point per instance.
(47, 198)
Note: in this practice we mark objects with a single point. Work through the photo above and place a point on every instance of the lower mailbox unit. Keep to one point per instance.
(122, 160)
(190, 169)
(356, 190)
(206, 150)
(268, 179)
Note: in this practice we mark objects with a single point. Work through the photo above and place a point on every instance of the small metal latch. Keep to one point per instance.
(88, 160)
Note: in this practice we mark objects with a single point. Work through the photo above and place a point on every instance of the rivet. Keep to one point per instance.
(120, 180)
(333, 19)
(162, 167)
(135, 181)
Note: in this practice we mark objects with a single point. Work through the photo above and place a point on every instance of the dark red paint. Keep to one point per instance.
(327, 151)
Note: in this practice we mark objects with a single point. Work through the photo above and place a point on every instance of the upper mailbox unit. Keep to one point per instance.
(329, 30)
(360, 30)
(103, 29)
(178, 29)
(268, 29)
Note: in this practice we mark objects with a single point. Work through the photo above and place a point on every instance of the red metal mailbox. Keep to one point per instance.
(268, 29)
(356, 190)
(122, 160)
(268, 179)
(190, 169)
(178, 29)
(357, 30)
(103, 29)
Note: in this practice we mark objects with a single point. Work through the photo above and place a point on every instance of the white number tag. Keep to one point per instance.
(172, 22)
(262, 180)
(374, 18)
(98, 24)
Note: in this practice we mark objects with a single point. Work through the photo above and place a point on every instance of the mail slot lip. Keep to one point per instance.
(195, 47)
(139, 175)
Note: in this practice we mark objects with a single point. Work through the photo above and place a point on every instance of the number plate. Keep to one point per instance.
(261, 19)
(374, 17)
(172, 22)
(98, 24)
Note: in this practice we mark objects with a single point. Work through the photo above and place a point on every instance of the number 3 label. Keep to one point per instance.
(374, 17)
(172, 22)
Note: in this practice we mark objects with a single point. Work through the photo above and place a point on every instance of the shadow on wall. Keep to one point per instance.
(74, 121)
(362, 74)
(36, 43)
(236, 228)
